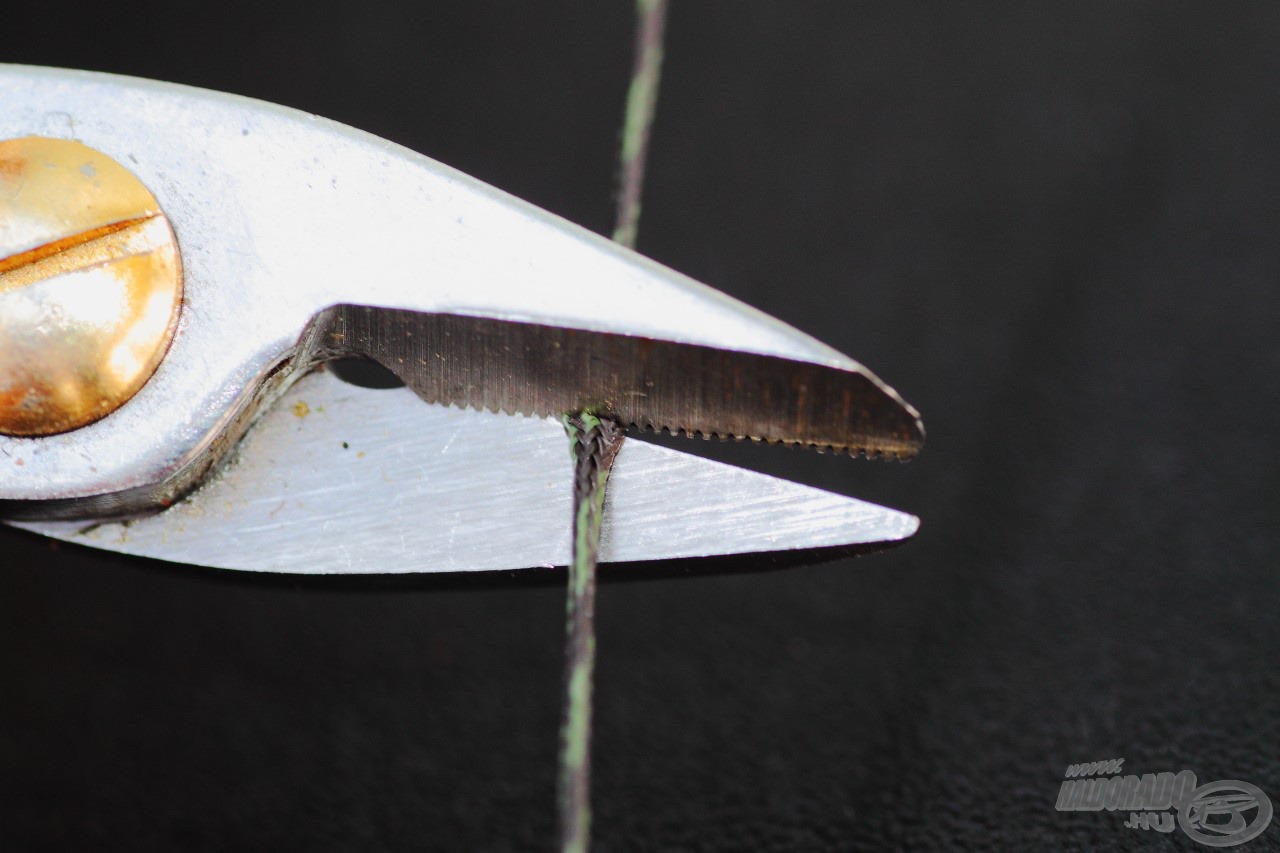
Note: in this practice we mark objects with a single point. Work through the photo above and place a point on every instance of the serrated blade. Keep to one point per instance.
(648, 383)
(341, 479)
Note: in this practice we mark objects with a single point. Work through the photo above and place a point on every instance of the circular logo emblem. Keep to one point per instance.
(1224, 814)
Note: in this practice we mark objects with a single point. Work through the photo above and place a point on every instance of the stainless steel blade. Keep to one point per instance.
(341, 479)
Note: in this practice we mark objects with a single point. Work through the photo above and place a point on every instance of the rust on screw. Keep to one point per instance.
(90, 285)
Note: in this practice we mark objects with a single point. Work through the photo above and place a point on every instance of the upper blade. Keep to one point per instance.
(340, 479)
(651, 382)
(302, 239)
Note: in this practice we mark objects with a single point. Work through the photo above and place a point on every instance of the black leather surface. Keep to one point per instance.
(1052, 227)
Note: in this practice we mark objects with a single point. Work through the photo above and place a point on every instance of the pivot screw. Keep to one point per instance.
(90, 285)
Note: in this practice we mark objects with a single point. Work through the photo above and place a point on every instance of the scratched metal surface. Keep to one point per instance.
(342, 479)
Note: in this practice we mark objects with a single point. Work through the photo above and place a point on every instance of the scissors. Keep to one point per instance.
(247, 245)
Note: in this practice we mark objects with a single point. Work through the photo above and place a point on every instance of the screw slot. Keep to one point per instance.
(90, 285)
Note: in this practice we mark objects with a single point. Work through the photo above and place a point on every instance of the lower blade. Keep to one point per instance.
(337, 479)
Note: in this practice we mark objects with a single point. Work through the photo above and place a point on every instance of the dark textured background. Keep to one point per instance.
(1052, 227)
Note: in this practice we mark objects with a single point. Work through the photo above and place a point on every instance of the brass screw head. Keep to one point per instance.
(90, 285)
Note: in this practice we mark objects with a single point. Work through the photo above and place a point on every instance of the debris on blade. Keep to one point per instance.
(296, 497)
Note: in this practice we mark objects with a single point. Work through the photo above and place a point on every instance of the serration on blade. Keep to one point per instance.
(341, 479)
(821, 399)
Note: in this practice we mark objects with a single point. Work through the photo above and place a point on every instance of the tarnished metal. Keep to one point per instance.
(90, 285)
(303, 239)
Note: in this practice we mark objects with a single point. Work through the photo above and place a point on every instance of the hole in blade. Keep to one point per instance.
(363, 372)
